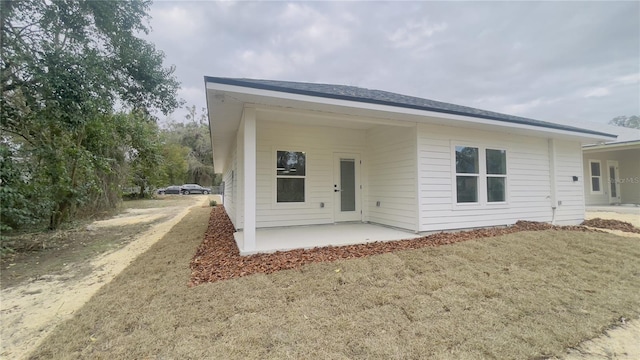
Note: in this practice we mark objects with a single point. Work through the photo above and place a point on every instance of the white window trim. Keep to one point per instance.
(505, 176)
(274, 176)
(454, 178)
(591, 176)
(483, 201)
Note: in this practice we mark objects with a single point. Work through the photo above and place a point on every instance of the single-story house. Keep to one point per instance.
(298, 154)
(612, 168)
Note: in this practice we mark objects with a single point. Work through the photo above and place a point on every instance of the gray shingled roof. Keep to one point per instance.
(353, 93)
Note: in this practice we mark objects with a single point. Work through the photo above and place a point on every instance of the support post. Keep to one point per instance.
(249, 147)
(552, 180)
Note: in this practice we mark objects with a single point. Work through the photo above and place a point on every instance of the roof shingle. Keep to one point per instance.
(353, 93)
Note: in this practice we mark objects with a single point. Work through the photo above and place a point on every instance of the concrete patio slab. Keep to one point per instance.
(622, 209)
(306, 237)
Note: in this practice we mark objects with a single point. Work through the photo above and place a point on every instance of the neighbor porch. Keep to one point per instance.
(613, 174)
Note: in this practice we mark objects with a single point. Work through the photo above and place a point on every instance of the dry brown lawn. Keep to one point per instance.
(523, 295)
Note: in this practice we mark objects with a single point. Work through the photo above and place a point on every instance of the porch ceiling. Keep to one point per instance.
(316, 118)
(225, 113)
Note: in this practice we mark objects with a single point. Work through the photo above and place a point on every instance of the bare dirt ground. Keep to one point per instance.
(31, 308)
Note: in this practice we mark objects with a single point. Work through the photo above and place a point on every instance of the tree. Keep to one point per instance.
(632, 121)
(194, 135)
(175, 166)
(64, 66)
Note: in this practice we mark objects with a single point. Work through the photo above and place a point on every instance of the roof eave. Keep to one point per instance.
(622, 145)
(591, 134)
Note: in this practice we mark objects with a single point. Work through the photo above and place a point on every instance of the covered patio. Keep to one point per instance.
(297, 237)
(619, 167)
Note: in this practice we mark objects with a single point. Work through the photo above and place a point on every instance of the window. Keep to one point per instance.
(596, 177)
(467, 174)
(481, 175)
(496, 175)
(290, 176)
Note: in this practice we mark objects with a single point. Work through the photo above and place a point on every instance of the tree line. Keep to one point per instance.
(632, 121)
(81, 92)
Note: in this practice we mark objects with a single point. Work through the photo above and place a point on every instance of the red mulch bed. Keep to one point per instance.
(611, 225)
(218, 257)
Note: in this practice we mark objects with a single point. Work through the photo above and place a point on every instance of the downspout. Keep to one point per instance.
(418, 208)
(552, 179)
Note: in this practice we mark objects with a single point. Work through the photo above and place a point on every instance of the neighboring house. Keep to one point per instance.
(612, 168)
(304, 154)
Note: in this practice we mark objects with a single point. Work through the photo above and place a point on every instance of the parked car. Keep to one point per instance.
(194, 189)
(170, 190)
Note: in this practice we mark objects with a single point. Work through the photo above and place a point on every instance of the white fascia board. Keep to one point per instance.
(612, 146)
(584, 137)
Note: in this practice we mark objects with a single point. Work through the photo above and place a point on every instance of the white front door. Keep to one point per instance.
(346, 187)
(614, 182)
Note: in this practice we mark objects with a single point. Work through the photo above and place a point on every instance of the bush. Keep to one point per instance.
(213, 203)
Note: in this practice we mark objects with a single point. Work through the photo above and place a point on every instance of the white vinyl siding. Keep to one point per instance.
(410, 172)
(629, 165)
(319, 144)
(528, 179)
(570, 192)
(391, 164)
(230, 178)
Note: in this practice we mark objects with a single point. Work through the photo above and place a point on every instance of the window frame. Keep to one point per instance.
(503, 176)
(457, 174)
(482, 176)
(599, 177)
(276, 176)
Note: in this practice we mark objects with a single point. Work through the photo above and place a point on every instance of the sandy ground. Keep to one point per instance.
(621, 342)
(31, 311)
(633, 218)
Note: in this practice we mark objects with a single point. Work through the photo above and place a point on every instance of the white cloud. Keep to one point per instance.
(628, 79)
(414, 33)
(597, 92)
(262, 65)
(175, 22)
(297, 38)
(313, 30)
(531, 106)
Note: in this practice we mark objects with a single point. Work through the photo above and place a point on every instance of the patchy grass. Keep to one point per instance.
(523, 295)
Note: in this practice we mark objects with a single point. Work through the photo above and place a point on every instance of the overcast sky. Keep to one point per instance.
(553, 61)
